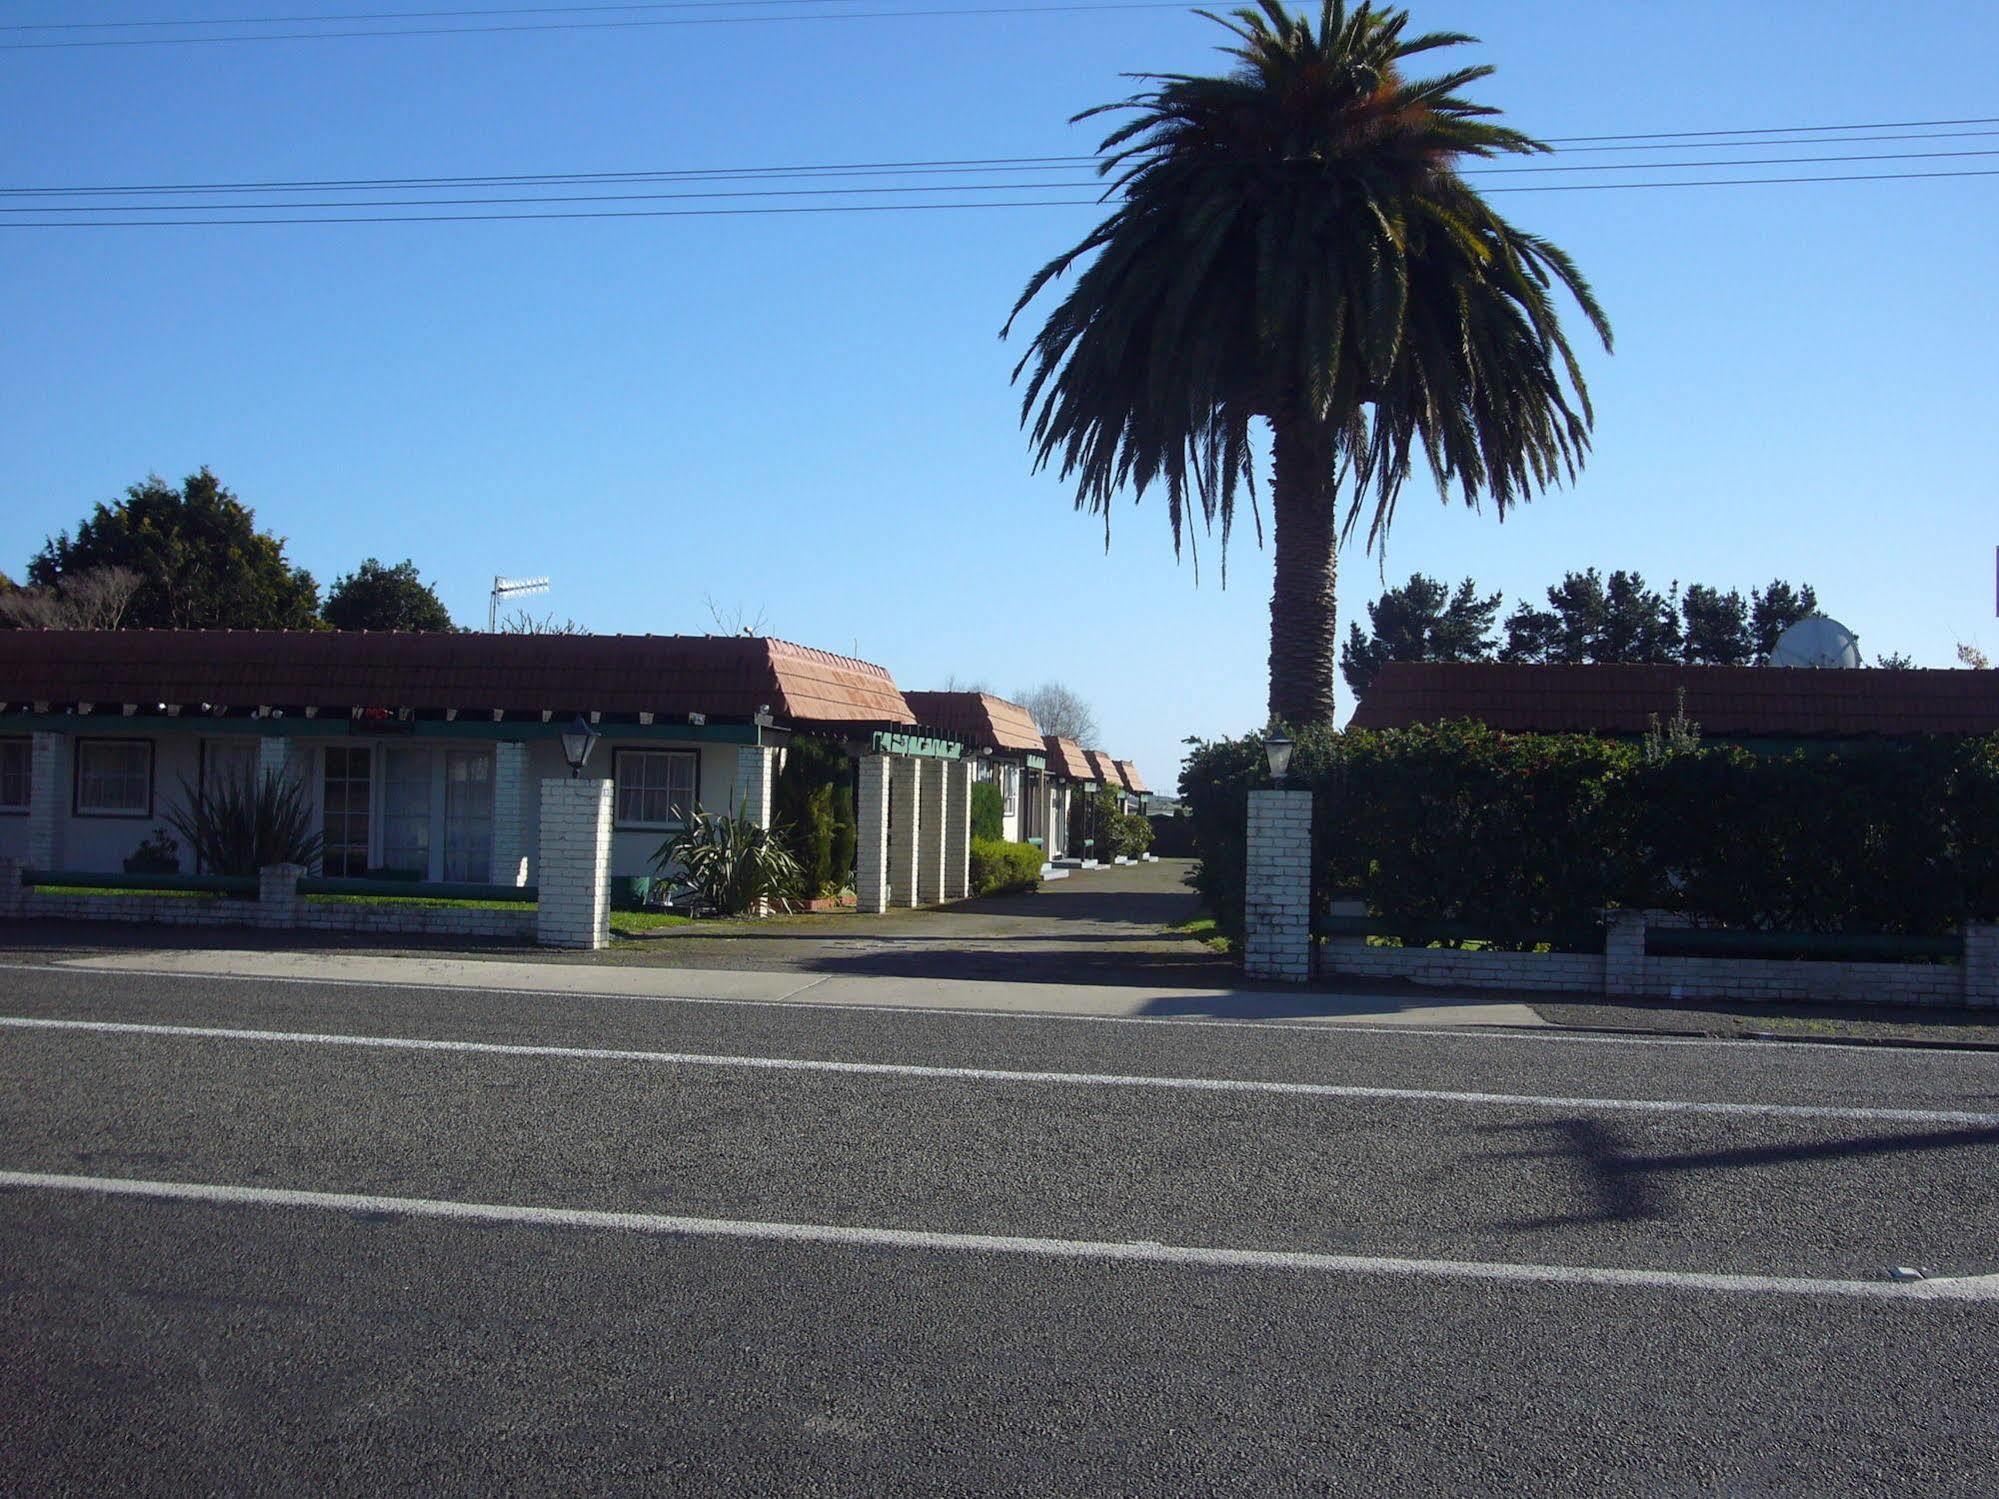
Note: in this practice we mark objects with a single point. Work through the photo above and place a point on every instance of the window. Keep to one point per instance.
(344, 802)
(406, 811)
(16, 774)
(114, 778)
(655, 788)
(1010, 788)
(468, 814)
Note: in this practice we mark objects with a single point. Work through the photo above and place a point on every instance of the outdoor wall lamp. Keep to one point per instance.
(577, 742)
(1277, 747)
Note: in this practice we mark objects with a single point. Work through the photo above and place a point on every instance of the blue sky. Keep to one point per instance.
(809, 416)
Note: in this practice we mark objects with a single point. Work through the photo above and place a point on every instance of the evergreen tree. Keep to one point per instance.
(1420, 621)
(374, 597)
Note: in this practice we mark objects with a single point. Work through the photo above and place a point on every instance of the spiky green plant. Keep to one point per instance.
(1292, 242)
(244, 822)
(733, 865)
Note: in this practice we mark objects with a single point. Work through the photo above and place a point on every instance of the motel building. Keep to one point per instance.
(425, 756)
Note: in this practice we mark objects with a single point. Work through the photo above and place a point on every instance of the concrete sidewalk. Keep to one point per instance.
(1100, 1000)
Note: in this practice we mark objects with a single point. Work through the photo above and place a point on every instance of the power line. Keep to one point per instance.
(1772, 130)
(895, 188)
(1086, 202)
(400, 15)
(543, 26)
(931, 166)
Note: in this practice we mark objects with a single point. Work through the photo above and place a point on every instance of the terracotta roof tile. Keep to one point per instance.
(1103, 768)
(1731, 701)
(1132, 782)
(1065, 758)
(980, 719)
(670, 675)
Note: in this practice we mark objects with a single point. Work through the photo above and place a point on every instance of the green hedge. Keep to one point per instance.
(1001, 868)
(1456, 822)
(988, 811)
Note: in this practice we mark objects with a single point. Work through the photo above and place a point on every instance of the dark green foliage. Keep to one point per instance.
(1420, 621)
(158, 854)
(1127, 834)
(1093, 819)
(732, 864)
(815, 805)
(1003, 868)
(375, 597)
(1717, 627)
(1292, 240)
(247, 821)
(202, 562)
(1456, 822)
(1589, 619)
(988, 811)
(1774, 610)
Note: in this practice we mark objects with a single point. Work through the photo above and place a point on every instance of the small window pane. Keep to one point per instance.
(114, 776)
(655, 788)
(16, 762)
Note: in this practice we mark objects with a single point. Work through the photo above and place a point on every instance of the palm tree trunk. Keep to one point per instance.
(1304, 537)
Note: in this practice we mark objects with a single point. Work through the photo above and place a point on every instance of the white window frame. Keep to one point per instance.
(619, 759)
(1009, 779)
(25, 747)
(80, 808)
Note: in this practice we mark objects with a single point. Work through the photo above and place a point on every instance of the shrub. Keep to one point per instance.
(1130, 835)
(988, 811)
(158, 854)
(246, 822)
(1000, 868)
(1093, 821)
(1456, 822)
(815, 802)
(731, 863)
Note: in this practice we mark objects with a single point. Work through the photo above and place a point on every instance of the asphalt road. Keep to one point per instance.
(924, 1252)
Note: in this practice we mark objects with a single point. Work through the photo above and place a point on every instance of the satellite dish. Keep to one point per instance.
(1817, 641)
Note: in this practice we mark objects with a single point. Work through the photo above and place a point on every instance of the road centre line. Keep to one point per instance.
(1331, 1027)
(1010, 1077)
(1970, 1288)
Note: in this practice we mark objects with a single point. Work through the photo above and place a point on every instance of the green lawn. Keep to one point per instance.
(422, 900)
(1203, 930)
(641, 923)
(100, 890)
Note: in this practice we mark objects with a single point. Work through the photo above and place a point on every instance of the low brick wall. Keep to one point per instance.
(1451, 967)
(386, 918)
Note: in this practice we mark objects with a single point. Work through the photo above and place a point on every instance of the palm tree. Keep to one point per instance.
(1293, 242)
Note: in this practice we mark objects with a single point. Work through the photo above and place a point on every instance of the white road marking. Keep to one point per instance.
(1016, 1078)
(1970, 1288)
(1307, 1027)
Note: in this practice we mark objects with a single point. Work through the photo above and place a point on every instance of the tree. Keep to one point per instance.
(1420, 621)
(1717, 627)
(1774, 610)
(374, 597)
(95, 598)
(1060, 711)
(1293, 242)
(1895, 661)
(520, 622)
(1589, 620)
(201, 560)
(1973, 657)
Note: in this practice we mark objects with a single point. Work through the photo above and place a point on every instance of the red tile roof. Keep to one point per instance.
(980, 719)
(670, 675)
(1103, 768)
(1065, 758)
(1132, 783)
(1731, 701)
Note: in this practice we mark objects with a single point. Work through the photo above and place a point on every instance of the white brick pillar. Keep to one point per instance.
(756, 782)
(573, 872)
(871, 840)
(1277, 900)
(274, 756)
(1981, 964)
(1624, 954)
(48, 799)
(513, 841)
(932, 844)
(957, 829)
(278, 902)
(905, 825)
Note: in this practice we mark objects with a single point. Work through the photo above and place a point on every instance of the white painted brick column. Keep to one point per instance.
(932, 846)
(278, 902)
(1981, 964)
(905, 779)
(574, 867)
(512, 839)
(1277, 899)
(756, 782)
(871, 837)
(274, 755)
(957, 829)
(48, 799)
(1624, 954)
